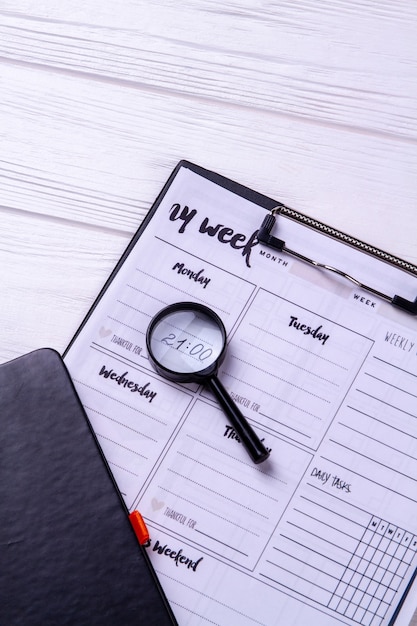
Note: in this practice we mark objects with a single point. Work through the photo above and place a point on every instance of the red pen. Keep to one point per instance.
(140, 528)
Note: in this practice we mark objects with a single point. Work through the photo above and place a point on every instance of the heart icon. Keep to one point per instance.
(105, 332)
(156, 504)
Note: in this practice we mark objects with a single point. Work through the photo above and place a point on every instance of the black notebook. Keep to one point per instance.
(68, 554)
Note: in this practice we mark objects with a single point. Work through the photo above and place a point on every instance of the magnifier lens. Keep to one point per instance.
(186, 341)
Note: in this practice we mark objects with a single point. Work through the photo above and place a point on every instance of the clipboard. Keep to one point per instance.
(322, 343)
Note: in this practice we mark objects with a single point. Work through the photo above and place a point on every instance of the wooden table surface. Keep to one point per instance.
(312, 102)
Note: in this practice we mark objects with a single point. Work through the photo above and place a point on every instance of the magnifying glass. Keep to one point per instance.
(186, 343)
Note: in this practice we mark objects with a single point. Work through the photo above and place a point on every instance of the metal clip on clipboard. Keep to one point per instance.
(265, 237)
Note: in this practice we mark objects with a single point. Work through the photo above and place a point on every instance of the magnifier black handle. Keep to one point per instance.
(244, 430)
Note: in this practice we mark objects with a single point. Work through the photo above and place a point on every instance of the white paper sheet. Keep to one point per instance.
(325, 531)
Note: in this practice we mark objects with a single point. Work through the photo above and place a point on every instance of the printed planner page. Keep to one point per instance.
(324, 532)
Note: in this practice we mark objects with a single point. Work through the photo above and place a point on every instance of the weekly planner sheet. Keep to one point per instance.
(323, 532)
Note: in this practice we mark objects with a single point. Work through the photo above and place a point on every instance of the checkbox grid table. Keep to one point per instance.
(374, 573)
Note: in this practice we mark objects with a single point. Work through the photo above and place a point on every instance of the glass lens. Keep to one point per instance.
(186, 341)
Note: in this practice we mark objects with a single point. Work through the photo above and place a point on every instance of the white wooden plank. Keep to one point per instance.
(51, 274)
(342, 63)
(98, 153)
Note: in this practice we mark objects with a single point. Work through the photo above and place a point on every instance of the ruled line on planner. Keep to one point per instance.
(217, 493)
(385, 382)
(215, 514)
(283, 380)
(214, 599)
(375, 482)
(391, 406)
(284, 569)
(369, 458)
(397, 367)
(146, 294)
(307, 547)
(298, 347)
(239, 482)
(281, 358)
(377, 419)
(317, 417)
(339, 500)
(137, 330)
(325, 508)
(336, 545)
(110, 462)
(382, 443)
(318, 569)
(220, 542)
(118, 357)
(317, 519)
(187, 609)
(289, 587)
(112, 419)
(256, 468)
(299, 432)
(120, 445)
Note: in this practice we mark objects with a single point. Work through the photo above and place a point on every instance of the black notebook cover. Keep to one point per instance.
(68, 554)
